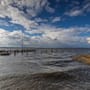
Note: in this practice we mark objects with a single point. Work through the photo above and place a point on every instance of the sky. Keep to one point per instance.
(45, 23)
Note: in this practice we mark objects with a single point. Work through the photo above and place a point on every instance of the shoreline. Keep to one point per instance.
(83, 58)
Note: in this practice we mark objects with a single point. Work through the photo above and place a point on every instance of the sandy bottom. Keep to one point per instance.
(83, 58)
(78, 79)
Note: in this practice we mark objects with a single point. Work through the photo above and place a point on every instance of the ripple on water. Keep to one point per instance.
(72, 80)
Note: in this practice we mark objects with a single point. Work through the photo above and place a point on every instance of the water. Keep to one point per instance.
(44, 70)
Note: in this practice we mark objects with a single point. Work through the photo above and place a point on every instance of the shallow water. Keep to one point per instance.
(44, 70)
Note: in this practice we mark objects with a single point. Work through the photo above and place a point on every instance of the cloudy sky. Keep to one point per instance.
(45, 23)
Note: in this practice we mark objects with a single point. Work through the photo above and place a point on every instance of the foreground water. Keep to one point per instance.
(44, 70)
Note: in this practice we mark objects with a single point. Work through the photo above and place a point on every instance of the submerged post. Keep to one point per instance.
(22, 43)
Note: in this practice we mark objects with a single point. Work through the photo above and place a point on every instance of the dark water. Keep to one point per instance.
(45, 70)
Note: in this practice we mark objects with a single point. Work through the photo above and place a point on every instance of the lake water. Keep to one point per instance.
(44, 69)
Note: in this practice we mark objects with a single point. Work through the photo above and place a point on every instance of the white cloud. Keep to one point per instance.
(49, 9)
(87, 7)
(60, 36)
(17, 16)
(51, 37)
(74, 12)
(78, 9)
(33, 6)
(14, 10)
(10, 38)
(41, 20)
(88, 40)
(56, 19)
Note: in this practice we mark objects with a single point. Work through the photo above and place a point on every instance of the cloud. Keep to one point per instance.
(49, 9)
(41, 20)
(87, 7)
(6, 10)
(88, 40)
(21, 11)
(26, 12)
(78, 9)
(74, 12)
(31, 7)
(46, 36)
(9, 38)
(52, 36)
(56, 19)
(3, 23)
(12, 39)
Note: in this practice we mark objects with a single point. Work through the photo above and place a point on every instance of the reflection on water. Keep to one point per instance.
(44, 70)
